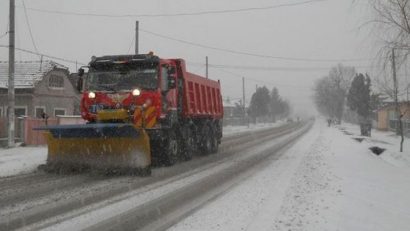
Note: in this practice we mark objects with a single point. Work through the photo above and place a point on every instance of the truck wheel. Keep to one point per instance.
(170, 149)
(214, 141)
(206, 144)
(188, 146)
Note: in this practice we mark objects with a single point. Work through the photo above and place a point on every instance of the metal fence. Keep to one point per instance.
(394, 124)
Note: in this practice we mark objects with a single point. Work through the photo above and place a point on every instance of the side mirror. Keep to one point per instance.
(80, 84)
(172, 82)
(80, 72)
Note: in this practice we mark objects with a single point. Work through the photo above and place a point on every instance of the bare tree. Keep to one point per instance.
(330, 91)
(392, 18)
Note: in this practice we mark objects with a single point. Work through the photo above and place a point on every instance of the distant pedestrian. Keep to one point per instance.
(329, 122)
(45, 117)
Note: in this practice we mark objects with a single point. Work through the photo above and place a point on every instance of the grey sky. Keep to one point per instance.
(325, 30)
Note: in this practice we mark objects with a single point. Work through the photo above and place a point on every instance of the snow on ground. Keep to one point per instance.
(26, 159)
(327, 181)
(229, 130)
(20, 160)
(386, 140)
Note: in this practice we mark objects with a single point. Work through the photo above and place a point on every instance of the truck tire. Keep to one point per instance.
(214, 140)
(170, 149)
(206, 143)
(187, 146)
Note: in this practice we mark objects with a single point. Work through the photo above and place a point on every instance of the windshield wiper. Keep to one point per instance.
(102, 87)
(107, 87)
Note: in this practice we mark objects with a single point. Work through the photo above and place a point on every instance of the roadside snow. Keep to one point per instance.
(229, 130)
(21, 160)
(386, 140)
(327, 181)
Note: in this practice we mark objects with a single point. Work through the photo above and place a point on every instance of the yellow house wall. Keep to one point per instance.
(382, 120)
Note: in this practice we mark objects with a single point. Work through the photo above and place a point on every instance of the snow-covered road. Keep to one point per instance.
(327, 181)
(22, 160)
(38, 200)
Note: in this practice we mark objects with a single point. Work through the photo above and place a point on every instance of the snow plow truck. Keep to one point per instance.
(141, 110)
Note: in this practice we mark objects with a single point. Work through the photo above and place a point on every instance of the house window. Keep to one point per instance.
(56, 81)
(20, 111)
(59, 112)
(39, 111)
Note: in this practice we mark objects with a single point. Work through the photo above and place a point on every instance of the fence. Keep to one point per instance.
(394, 124)
(24, 128)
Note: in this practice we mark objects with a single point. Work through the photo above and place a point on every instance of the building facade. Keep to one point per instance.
(387, 117)
(40, 87)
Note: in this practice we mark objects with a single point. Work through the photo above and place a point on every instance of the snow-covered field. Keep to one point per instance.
(327, 181)
(26, 159)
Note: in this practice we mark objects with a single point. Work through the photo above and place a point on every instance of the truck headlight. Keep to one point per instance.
(91, 95)
(136, 92)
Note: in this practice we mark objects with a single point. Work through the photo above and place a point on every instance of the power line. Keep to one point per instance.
(259, 81)
(29, 27)
(3, 35)
(132, 43)
(7, 31)
(208, 12)
(267, 68)
(249, 53)
(45, 55)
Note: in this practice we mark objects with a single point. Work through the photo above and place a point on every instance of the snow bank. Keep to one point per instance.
(20, 160)
(327, 181)
(386, 140)
(229, 130)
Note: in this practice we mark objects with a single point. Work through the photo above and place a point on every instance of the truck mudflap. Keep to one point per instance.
(112, 147)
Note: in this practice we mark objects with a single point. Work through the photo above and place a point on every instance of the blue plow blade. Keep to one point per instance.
(92, 130)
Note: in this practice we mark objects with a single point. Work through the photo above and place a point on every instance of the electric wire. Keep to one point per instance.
(45, 55)
(260, 81)
(249, 53)
(3, 35)
(268, 68)
(207, 46)
(7, 31)
(208, 12)
(29, 27)
(132, 42)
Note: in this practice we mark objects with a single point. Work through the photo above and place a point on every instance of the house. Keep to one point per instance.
(387, 117)
(234, 114)
(40, 87)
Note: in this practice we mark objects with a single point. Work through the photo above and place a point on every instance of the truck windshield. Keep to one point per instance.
(108, 80)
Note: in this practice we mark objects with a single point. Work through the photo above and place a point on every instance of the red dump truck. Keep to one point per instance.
(141, 110)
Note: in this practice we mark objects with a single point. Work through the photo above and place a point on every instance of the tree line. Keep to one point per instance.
(268, 105)
(344, 87)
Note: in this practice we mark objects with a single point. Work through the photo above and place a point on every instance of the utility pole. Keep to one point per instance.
(394, 76)
(136, 37)
(399, 125)
(243, 95)
(11, 96)
(243, 102)
(206, 66)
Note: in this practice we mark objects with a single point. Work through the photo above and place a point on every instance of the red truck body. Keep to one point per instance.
(181, 111)
(202, 97)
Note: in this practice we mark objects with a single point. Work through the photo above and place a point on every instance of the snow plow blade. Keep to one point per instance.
(114, 148)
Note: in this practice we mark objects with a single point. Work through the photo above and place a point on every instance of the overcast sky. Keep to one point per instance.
(311, 36)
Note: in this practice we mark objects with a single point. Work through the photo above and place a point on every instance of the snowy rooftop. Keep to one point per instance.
(27, 73)
(232, 103)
